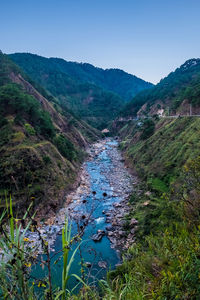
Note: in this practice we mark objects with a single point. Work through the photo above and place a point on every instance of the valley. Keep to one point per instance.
(130, 193)
(102, 199)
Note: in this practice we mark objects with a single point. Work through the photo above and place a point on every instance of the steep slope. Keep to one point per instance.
(82, 88)
(40, 147)
(178, 93)
(158, 150)
(164, 261)
(115, 80)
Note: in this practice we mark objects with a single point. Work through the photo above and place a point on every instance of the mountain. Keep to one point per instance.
(41, 145)
(165, 205)
(117, 81)
(177, 94)
(94, 94)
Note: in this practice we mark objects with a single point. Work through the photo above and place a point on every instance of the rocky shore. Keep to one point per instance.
(115, 194)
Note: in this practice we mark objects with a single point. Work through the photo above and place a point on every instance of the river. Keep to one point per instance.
(100, 200)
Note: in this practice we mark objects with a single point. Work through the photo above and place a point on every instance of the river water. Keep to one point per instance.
(104, 181)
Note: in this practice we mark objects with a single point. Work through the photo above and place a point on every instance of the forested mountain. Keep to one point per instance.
(40, 144)
(96, 95)
(114, 80)
(173, 94)
(164, 261)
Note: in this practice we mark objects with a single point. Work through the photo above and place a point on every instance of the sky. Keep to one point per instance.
(147, 38)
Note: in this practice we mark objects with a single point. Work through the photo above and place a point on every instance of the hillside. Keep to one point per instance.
(164, 261)
(158, 149)
(41, 146)
(177, 94)
(94, 94)
(115, 80)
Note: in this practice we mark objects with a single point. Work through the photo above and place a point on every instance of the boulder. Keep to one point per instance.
(122, 233)
(102, 264)
(98, 236)
(133, 222)
(88, 264)
(110, 228)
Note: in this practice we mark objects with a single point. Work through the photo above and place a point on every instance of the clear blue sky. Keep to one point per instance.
(148, 38)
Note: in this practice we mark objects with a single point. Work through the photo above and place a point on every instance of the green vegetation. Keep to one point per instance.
(40, 147)
(15, 261)
(86, 100)
(159, 157)
(182, 84)
(114, 80)
(40, 152)
(147, 128)
(18, 253)
(91, 93)
(164, 263)
(65, 147)
(13, 101)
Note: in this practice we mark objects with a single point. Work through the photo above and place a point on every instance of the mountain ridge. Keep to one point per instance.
(77, 91)
(99, 76)
(173, 94)
(41, 145)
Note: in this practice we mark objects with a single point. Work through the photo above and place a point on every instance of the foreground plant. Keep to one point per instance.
(17, 255)
(16, 258)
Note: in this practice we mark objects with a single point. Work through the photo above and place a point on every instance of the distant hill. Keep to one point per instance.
(176, 94)
(41, 145)
(96, 95)
(115, 80)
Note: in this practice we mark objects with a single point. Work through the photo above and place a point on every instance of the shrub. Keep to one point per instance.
(29, 129)
(147, 129)
(65, 147)
(46, 159)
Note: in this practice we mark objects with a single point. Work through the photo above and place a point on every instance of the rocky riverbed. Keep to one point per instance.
(120, 184)
(98, 208)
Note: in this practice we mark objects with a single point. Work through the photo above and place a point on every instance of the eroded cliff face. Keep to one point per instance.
(61, 122)
(37, 166)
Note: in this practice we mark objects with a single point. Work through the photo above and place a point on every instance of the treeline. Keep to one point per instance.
(182, 84)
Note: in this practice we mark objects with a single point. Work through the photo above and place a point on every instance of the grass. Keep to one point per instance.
(165, 261)
(162, 155)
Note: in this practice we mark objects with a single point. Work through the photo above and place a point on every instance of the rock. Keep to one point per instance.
(118, 265)
(108, 214)
(110, 233)
(148, 193)
(101, 231)
(129, 237)
(133, 231)
(122, 233)
(98, 236)
(119, 216)
(110, 228)
(102, 264)
(133, 222)
(146, 203)
(117, 204)
(88, 264)
(122, 222)
(115, 223)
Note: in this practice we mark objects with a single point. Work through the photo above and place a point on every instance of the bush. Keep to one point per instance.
(29, 129)
(46, 159)
(147, 129)
(14, 101)
(65, 147)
